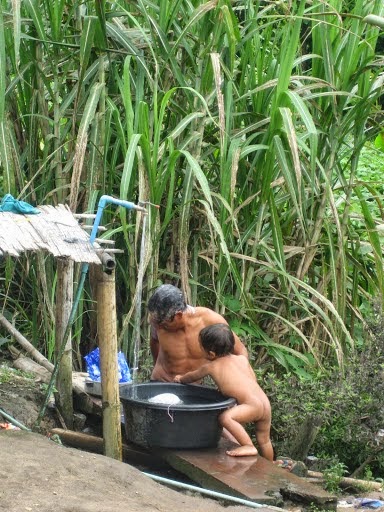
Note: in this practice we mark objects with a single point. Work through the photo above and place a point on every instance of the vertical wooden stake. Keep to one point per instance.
(64, 300)
(107, 336)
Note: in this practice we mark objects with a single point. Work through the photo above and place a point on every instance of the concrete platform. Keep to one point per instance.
(253, 478)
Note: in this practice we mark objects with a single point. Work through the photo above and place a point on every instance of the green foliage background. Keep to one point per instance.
(244, 121)
(345, 409)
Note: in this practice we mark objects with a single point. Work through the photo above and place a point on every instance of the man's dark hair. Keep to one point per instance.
(217, 338)
(166, 302)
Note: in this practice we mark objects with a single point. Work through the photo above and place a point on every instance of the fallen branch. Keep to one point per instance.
(131, 453)
(80, 440)
(367, 461)
(85, 402)
(347, 481)
(32, 351)
(26, 364)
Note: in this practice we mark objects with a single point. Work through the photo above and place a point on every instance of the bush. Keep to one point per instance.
(350, 408)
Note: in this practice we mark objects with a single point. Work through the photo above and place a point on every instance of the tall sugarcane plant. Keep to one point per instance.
(243, 121)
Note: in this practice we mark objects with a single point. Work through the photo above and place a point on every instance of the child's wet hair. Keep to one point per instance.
(166, 302)
(217, 338)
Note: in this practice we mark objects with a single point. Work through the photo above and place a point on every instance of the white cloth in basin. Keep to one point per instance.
(165, 398)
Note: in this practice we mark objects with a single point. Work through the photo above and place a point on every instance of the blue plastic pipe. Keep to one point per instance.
(13, 421)
(214, 494)
(104, 200)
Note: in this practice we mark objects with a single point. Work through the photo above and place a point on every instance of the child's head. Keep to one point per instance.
(217, 338)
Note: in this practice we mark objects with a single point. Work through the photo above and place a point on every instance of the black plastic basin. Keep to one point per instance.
(191, 424)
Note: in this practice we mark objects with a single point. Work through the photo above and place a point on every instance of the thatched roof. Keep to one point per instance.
(55, 230)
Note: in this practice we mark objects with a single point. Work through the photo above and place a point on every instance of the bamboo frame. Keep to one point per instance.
(64, 301)
(107, 338)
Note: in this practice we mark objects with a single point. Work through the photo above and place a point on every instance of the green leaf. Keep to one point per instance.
(379, 141)
(128, 166)
(2, 67)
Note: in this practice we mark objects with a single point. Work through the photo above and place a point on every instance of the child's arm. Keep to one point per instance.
(193, 376)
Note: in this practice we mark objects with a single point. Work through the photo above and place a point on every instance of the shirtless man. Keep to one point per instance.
(235, 377)
(175, 328)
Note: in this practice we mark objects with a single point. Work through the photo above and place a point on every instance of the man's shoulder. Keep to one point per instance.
(208, 314)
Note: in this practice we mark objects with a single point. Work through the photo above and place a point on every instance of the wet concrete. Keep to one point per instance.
(251, 478)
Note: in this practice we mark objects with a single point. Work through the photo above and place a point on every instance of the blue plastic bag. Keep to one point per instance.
(92, 361)
(370, 503)
(10, 204)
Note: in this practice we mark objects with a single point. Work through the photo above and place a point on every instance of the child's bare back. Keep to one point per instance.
(234, 377)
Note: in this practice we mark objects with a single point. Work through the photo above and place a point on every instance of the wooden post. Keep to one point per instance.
(305, 437)
(107, 336)
(64, 300)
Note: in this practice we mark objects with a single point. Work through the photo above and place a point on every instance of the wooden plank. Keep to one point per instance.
(253, 478)
(84, 402)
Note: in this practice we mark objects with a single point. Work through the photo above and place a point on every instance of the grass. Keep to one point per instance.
(233, 118)
(9, 374)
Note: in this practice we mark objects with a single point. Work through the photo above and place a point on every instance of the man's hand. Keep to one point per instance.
(177, 379)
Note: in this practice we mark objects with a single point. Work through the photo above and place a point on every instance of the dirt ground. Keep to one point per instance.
(21, 397)
(38, 474)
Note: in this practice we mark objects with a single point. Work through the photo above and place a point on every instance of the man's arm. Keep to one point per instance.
(154, 344)
(239, 349)
(193, 376)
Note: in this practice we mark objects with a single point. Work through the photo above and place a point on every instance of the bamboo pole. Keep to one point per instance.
(107, 338)
(64, 300)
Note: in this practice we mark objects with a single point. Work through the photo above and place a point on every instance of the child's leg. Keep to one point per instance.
(232, 420)
(263, 429)
(229, 436)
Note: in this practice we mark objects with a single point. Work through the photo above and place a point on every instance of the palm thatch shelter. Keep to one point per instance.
(56, 230)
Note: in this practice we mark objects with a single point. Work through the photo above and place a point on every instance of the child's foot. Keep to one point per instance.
(242, 451)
